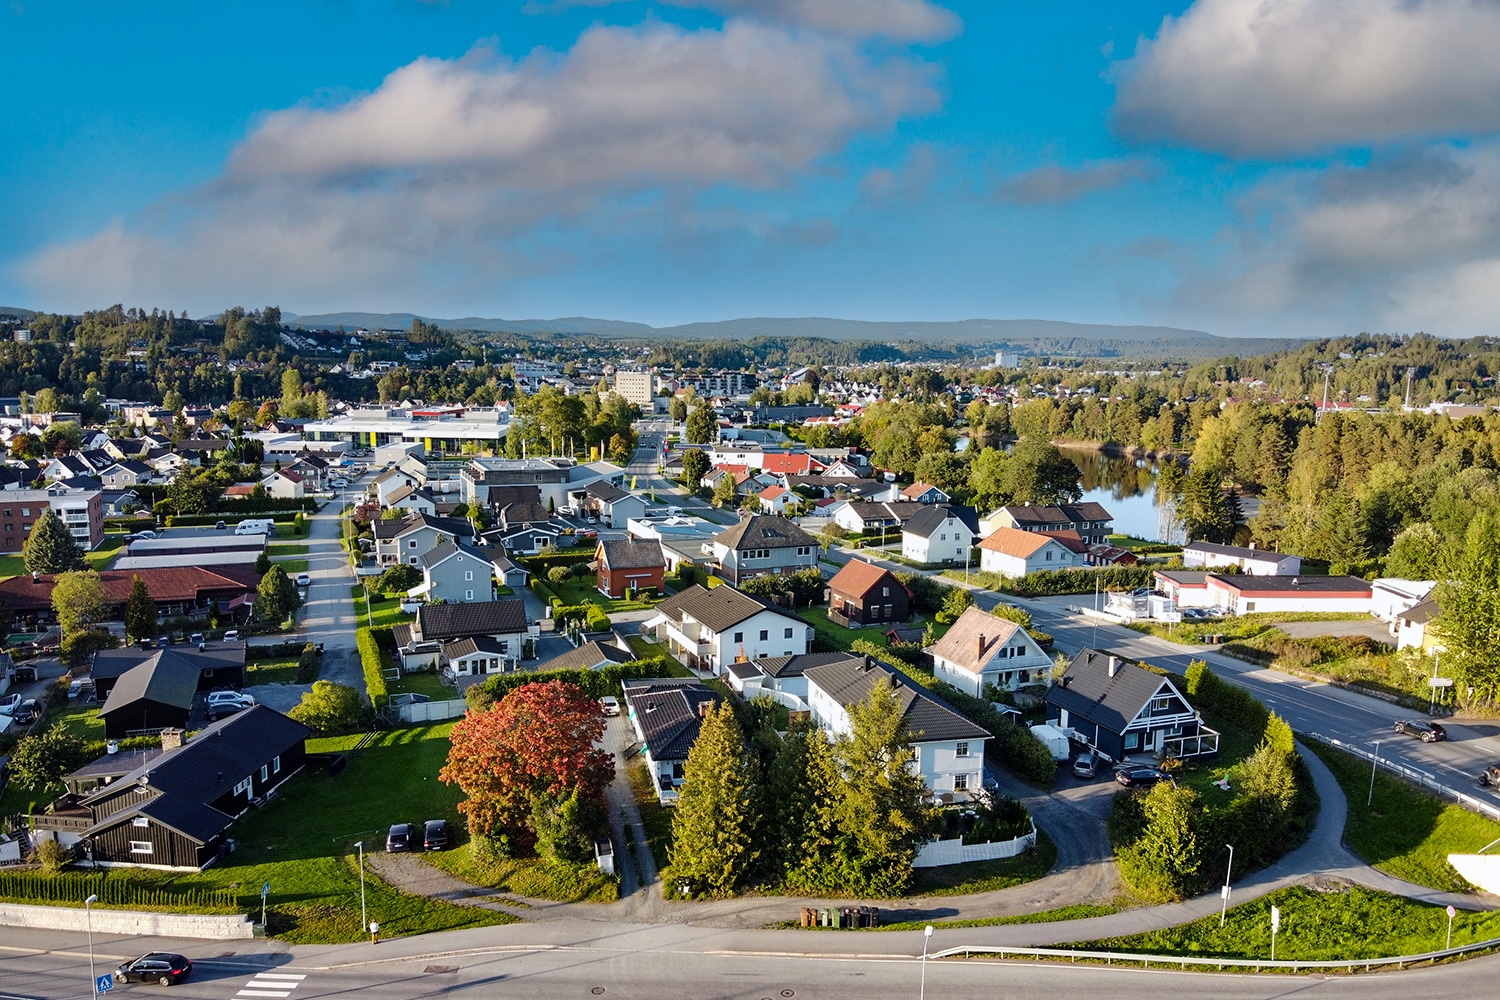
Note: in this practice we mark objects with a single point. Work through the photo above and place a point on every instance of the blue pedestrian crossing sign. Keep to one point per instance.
(104, 984)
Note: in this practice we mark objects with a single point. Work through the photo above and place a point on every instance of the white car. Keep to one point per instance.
(221, 703)
(303, 580)
(9, 704)
(338, 484)
(610, 704)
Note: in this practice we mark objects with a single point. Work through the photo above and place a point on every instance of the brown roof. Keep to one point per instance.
(720, 608)
(164, 583)
(1018, 543)
(764, 531)
(974, 638)
(1070, 539)
(858, 577)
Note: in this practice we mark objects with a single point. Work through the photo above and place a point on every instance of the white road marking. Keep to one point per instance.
(277, 985)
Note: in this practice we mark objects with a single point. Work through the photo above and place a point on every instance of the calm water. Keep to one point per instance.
(1125, 486)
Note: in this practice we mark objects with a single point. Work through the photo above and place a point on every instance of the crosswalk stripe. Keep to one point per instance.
(262, 993)
(278, 975)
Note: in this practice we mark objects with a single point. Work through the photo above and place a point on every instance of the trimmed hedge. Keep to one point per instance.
(276, 650)
(1230, 701)
(75, 887)
(539, 565)
(1053, 582)
(595, 683)
(369, 658)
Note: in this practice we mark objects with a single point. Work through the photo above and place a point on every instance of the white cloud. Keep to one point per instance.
(462, 172)
(1054, 185)
(903, 20)
(1272, 77)
(1408, 242)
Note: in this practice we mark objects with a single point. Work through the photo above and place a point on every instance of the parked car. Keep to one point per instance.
(338, 484)
(588, 533)
(1427, 732)
(1085, 765)
(303, 580)
(434, 835)
(222, 703)
(9, 704)
(81, 687)
(29, 712)
(233, 635)
(399, 838)
(1140, 777)
(157, 967)
(1490, 776)
(610, 704)
(196, 639)
(147, 534)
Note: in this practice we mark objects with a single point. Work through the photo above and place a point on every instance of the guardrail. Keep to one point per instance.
(1183, 961)
(1421, 778)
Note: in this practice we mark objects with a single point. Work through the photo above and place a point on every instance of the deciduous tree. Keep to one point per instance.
(276, 597)
(702, 426)
(695, 466)
(78, 600)
(40, 760)
(332, 709)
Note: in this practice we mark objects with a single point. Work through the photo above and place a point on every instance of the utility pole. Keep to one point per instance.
(1224, 908)
(1409, 373)
(364, 917)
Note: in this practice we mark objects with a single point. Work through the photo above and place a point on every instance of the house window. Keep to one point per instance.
(1132, 741)
(276, 764)
(243, 786)
(960, 782)
(1049, 555)
(961, 748)
(140, 847)
(468, 595)
(412, 544)
(265, 772)
(739, 637)
(1249, 606)
(885, 591)
(944, 537)
(140, 821)
(468, 574)
(787, 634)
(25, 512)
(505, 646)
(765, 634)
(1160, 703)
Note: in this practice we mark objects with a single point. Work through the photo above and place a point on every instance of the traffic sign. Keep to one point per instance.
(265, 890)
(1440, 682)
(1451, 912)
(1275, 918)
(103, 984)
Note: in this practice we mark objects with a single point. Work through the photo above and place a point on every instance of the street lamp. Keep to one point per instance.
(926, 937)
(364, 918)
(88, 909)
(1224, 909)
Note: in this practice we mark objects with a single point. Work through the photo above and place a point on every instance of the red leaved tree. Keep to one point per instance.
(537, 741)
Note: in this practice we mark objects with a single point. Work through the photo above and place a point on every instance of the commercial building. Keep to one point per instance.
(81, 510)
(635, 387)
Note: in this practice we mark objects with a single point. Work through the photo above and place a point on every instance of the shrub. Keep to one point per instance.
(1234, 703)
(595, 620)
(332, 709)
(559, 575)
(307, 664)
(595, 683)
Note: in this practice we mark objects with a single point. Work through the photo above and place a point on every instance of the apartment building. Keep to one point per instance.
(81, 510)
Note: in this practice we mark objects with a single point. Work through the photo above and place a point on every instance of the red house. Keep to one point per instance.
(630, 562)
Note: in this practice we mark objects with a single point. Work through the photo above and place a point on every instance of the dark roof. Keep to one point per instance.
(588, 656)
(455, 526)
(453, 621)
(1064, 515)
(933, 516)
(1234, 551)
(1087, 691)
(764, 531)
(720, 608)
(666, 709)
(470, 645)
(1421, 612)
(631, 553)
(1293, 584)
(109, 663)
(115, 765)
(850, 679)
(793, 666)
(604, 490)
(524, 512)
(1184, 578)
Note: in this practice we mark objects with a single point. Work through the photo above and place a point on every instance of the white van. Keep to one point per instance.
(256, 526)
(674, 511)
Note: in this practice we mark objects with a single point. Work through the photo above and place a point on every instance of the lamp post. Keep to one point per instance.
(88, 909)
(1432, 688)
(364, 918)
(926, 937)
(1224, 908)
(1374, 763)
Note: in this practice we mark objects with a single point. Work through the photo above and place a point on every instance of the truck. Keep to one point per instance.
(256, 526)
(1055, 740)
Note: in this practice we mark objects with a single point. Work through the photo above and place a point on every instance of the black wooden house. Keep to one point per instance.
(1120, 708)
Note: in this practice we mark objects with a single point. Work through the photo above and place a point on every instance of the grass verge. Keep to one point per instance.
(1405, 832)
(286, 549)
(277, 670)
(656, 651)
(382, 610)
(1330, 922)
(1081, 911)
(987, 876)
(1238, 629)
(655, 817)
(529, 876)
(291, 567)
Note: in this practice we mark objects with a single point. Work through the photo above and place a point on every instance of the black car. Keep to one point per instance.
(28, 713)
(435, 835)
(399, 838)
(157, 967)
(1140, 777)
(1427, 732)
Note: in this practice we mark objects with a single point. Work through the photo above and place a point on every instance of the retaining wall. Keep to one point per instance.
(217, 927)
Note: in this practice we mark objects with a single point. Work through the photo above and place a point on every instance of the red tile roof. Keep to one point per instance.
(164, 583)
(857, 577)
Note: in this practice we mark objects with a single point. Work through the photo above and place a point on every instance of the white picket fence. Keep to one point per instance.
(937, 853)
(432, 711)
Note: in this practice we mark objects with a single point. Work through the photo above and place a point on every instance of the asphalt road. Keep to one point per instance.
(607, 968)
(644, 465)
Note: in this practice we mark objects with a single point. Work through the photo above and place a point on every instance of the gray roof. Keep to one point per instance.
(469, 645)
(764, 531)
(631, 553)
(933, 516)
(1087, 691)
(604, 490)
(1421, 612)
(720, 608)
(109, 663)
(1064, 515)
(457, 527)
(1234, 551)
(588, 657)
(451, 547)
(793, 666)
(1294, 584)
(455, 621)
(667, 709)
(850, 679)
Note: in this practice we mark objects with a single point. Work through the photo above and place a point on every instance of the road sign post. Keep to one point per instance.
(265, 891)
(1275, 926)
(1451, 914)
(103, 984)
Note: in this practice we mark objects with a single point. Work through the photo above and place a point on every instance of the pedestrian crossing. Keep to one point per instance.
(271, 984)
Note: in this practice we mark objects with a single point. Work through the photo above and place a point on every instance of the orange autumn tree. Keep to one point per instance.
(537, 743)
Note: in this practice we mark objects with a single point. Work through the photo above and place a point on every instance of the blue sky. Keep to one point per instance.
(1250, 167)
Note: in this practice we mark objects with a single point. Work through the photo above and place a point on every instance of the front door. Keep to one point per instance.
(1161, 736)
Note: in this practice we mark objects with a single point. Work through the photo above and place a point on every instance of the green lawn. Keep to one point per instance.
(383, 610)
(291, 567)
(1346, 922)
(272, 670)
(286, 549)
(655, 817)
(582, 591)
(656, 651)
(529, 876)
(838, 637)
(303, 843)
(429, 684)
(101, 557)
(1240, 628)
(82, 721)
(987, 876)
(12, 564)
(1080, 911)
(1405, 832)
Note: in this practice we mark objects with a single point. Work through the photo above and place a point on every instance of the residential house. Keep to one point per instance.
(630, 564)
(457, 571)
(981, 652)
(707, 629)
(421, 642)
(592, 655)
(1390, 596)
(862, 515)
(284, 484)
(1120, 708)
(1412, 627)
(174, 809)
(1015, 553)
(412, 499)
(924, 493)
(949, 748)
(407, 539)
(667, 715)
(202, 451)
(118, 503)
(1093, 523)
(475, 655)
(862, 593)
(761, 545)
(1251, 561)
(125, 474)
(774, 500)
(1244, 595)
(610, 504)
(940, 535)
(145, 691)
(389, 481)
(177, 591)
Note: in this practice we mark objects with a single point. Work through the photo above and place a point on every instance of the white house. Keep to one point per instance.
(708, 629)
(1016, 553)
(949, 748)
(410, 498)
(981, 650)
(284, 484)
(1390, 596)
(666, 715)
(774, 499)
(939, 535)
(1252, 561)
(1244, 595)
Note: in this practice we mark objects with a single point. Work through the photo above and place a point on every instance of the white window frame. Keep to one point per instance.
(961, 748)
(960, 782)
(243, 786)
(142, 847)
(276, 764)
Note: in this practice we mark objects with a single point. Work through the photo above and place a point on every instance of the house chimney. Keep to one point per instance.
(703, 707)
(171, 739)
(979, 647)
(112, 747)
(1252, 546)
(1114, 665)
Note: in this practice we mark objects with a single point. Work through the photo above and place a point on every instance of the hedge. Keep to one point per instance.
(291, 647)
(1053, 582)
(1233, 703)
(75, 887)
(202, 520)
(539, 565)
(541, 590)
(369, 658)
(595, 683)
